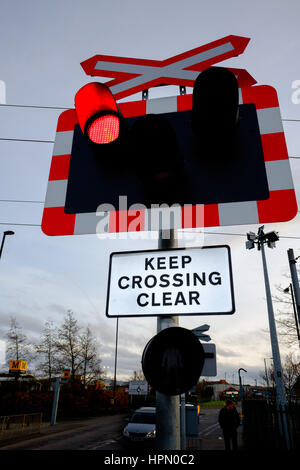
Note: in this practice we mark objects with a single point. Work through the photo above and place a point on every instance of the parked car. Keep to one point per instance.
(141, 426)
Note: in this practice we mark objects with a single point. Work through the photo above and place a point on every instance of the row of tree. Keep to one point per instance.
(68, 346)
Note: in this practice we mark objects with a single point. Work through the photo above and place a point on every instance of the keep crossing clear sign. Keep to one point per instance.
(181, 281)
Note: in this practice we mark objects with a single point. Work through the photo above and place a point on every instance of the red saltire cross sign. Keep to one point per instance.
(134, 75)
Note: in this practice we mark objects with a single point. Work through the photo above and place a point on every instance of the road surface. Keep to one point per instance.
(104, 433)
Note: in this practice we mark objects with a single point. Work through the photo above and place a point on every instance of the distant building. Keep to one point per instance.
(223, 389)
(229, 392)
(26, 382)
(109, 383)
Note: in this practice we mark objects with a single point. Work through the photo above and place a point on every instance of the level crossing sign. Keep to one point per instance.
(275, 201)
(134, 75)
(280, 206)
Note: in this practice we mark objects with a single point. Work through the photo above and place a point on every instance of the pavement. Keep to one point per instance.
(216, 442)
(210, 433)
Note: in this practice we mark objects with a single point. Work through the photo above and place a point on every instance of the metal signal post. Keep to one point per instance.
(260, 239)
(167, 406)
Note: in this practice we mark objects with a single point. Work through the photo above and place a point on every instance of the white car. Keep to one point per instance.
(141, 426)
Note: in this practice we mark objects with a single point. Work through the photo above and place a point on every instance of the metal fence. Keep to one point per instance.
(16, 425)
(263, 425)
(293, 416)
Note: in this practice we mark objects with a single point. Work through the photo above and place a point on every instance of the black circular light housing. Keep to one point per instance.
(173, 360)
(215, 115)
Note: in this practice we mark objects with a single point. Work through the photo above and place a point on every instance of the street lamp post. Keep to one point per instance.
(260, 240)
(8, 232)
(241, 390)
(240, 382)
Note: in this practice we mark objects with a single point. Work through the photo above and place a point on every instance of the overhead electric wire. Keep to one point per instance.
(31, 106)
(52, 142)
(236, 234)
(29, 140)
(65, 108)
(185, 231)
(27, 225)
(21, 200)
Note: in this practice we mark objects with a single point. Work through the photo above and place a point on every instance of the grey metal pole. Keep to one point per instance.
(240, 386)
(167, 407)
(242, 396)
(295, 280)
(240, 383)
(116, 356)
(280, 390)
(182, 422)
(55, 401)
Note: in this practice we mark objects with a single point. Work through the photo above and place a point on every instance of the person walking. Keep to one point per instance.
(229, 420)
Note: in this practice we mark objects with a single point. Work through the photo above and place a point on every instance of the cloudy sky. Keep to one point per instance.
(41, 277)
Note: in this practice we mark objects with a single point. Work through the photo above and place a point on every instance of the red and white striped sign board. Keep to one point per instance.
(134, 75)
(281, 206)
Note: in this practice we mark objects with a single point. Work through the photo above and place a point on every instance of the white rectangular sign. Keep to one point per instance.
(181, 281)
(138, 387)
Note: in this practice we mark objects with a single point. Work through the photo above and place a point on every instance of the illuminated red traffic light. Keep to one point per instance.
(97, 113)
(104, 129)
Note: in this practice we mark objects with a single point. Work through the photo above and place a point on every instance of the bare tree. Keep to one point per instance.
(77, 351)
(47, 350)
(285, 318)
(138, 375)
(90, 361)
(268, 376)
(291, 371)
(68, 345)
(17, 347)
(61, 348)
